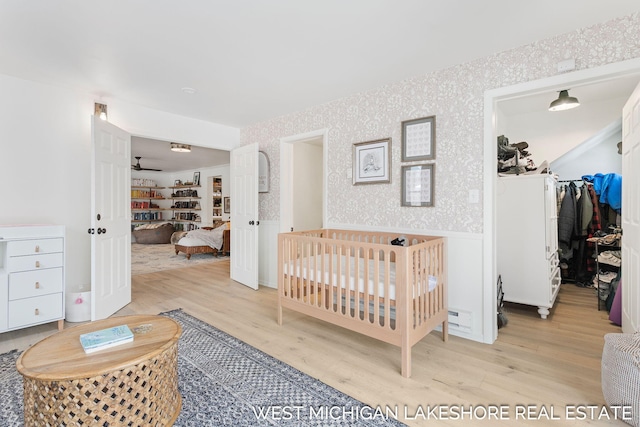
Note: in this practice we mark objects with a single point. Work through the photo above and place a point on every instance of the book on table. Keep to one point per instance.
(106, 338)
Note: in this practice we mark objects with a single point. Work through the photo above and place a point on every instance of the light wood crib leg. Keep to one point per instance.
(406, 360)
(279, 314)
(445, 331)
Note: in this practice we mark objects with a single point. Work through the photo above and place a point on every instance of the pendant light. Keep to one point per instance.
(180, 148)
(564, 102)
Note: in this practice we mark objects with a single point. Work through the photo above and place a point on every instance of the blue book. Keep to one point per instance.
(105, 338)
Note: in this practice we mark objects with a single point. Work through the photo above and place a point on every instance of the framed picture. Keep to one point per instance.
(227, 204)
(196, 178)
(418, 185)
(372, 162)
(263, 172)
(419, 139)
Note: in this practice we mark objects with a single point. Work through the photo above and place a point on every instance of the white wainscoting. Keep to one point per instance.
(464, 252)
(268, 253)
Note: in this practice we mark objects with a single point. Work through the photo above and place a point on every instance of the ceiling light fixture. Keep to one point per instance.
(189, 90)
(100, 110)
(564, 102)
(180, 148)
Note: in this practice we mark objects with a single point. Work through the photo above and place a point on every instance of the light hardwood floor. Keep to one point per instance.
(546, 363)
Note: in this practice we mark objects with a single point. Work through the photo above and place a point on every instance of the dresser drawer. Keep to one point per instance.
(35, 246)
(27, 284)
(30, 311)
(34, 262)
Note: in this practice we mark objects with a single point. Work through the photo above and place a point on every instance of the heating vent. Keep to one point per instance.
(460, 320)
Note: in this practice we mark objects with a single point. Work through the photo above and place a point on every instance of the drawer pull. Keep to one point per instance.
(37, 264)
(37, 285)
(37, 312)
(37, 248)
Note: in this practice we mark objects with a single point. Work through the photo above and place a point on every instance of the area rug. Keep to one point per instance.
(153, 258)
(226, 382)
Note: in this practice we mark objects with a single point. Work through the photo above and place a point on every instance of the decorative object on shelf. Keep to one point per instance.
(372, 162)
(196, 178)
(227, 205)
(564, 102)
(177, 183)
(180, 148)
(417, 185)
(419, 139)
(263, 172)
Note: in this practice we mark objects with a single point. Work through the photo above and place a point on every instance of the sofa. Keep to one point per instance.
(153, 234)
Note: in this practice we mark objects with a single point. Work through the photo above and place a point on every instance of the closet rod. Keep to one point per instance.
(571, 180)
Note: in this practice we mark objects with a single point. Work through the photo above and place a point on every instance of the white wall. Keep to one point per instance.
(307, 186)
(45, 135)
(45, 165)
(598, 154)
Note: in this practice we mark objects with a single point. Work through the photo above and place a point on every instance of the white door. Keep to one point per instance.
(110, 219)
(631, 213)
(244, 215)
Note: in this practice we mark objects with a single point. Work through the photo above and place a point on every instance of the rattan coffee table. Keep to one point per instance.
(133, 384)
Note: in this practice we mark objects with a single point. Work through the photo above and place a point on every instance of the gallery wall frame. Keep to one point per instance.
(418, 183)
(372, 162)
(419, 139)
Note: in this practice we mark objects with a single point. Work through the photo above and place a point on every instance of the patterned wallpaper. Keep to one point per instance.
(455, 95)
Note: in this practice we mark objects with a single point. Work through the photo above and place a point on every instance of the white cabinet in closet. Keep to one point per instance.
(32, 283)
(527, 240)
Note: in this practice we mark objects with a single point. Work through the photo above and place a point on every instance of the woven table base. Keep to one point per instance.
(145, 394)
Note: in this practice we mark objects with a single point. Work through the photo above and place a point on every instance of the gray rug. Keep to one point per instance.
(226, 382)
(153, 258)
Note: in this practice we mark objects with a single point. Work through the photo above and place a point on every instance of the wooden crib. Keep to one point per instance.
(358, 280)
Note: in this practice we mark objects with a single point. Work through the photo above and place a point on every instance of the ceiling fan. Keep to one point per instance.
(137, 166)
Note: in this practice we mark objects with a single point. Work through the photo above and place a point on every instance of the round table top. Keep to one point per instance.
(61, 356)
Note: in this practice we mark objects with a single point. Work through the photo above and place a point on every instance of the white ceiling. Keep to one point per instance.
(157, 155)
(252, 60)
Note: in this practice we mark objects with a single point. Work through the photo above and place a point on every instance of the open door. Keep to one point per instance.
(244, 215)
(631, 213)
(110, 219)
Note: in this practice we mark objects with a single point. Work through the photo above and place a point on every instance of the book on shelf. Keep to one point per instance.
(106, 338)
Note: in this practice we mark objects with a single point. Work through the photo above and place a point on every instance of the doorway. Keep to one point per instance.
(176, 188)
(303, 181)
(492, 118)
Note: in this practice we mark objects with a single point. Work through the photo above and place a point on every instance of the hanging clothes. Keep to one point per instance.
(566, 218)
(587, 211)
(608, 187)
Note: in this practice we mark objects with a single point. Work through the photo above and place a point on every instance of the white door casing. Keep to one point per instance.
(244, 215)
(631, 213)
(286, 176)
(110, 219)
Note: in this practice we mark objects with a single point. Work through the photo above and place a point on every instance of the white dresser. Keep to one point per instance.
(527, 240)
(32, 276)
